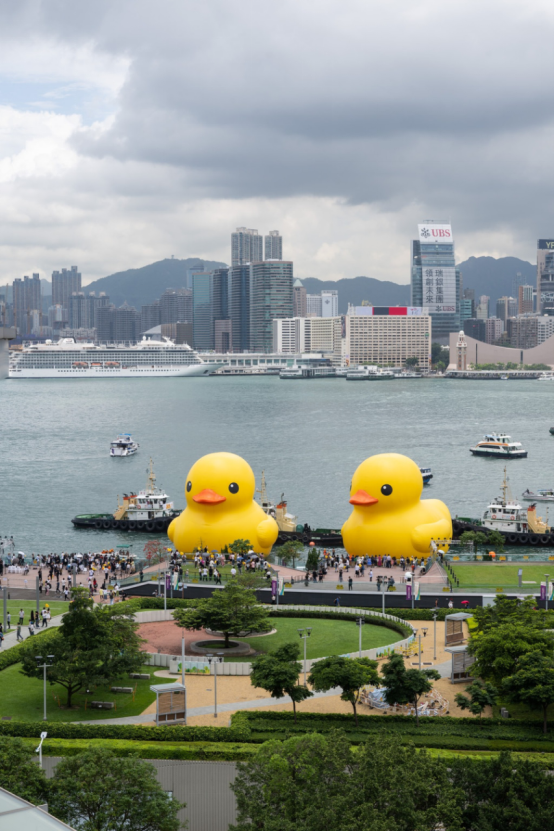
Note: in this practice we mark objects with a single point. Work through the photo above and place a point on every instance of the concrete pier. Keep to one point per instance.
(7, 333)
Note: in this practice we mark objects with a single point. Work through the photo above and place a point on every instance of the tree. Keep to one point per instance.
(477, 538)
(412, 361)
(532, 683)
(439, 354)
(290, 551)
(481, 696)
(502, 793)
(403, 686)
(278, 672)
(97, 790)
(318, 781)
(92, 646)
(240, 546)
(497, 649)
(514, 610)
(232, 611)
(19, 773)
(496, 540)
(342, 672)
(312, 562)
(154, 552)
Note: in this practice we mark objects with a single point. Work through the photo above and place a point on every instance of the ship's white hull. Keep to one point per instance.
(117, 372)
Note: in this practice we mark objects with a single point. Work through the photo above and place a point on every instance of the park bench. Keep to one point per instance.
(102, 705)
(121, 690)
(139, 675)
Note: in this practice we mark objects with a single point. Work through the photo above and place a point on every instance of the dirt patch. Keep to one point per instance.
(165, 637)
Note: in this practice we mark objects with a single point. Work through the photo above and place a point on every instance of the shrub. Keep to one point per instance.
(221, 751)
(173, 733)
(13, 655)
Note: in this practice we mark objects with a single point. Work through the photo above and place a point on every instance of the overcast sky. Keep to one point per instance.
(134, 130)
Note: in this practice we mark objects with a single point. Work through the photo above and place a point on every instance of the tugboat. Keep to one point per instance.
(148, 511)
(498, 445)
(290, 528)
(123, 445)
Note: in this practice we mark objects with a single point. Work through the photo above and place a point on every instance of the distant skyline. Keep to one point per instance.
(132, 131)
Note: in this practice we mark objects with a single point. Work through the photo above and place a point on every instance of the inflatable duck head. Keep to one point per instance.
(386, 483)
(220, 483)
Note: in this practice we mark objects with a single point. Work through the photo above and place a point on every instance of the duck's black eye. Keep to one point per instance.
(386, 490)
(189, 485)
(233, 488)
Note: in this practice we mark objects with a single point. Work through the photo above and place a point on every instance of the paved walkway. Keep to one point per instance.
(11, 639)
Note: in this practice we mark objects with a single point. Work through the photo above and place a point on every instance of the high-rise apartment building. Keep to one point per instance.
(273, 246)
(240, 307)
(246, 246)
(387, 336)
(299, 302)
(119, 326)
(64, 283)
(545, 274)
(435, 280)
(176, 306)
(270, 298)
(506, 308)
(494, 328)
(524, 299)
(313, 306)
(150, 316)
(291, 335)
(26, 298)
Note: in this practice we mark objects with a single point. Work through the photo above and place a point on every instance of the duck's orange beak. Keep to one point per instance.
(209, 497)
(362, 498)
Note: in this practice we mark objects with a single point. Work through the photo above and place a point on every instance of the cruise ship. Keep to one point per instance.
(70, 359)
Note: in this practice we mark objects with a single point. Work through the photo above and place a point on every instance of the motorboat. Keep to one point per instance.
(427, 475)
(123, 445)
(498, 445)
(541, 495)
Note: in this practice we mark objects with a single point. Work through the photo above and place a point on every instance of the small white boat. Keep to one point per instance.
(498, 445)
(541, 495)
(427, 475)
(123, 445)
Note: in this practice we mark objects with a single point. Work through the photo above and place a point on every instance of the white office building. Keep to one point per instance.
(329, 303)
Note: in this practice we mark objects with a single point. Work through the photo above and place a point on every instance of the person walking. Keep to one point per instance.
(9, 621)
(350, 582)
(18, 635)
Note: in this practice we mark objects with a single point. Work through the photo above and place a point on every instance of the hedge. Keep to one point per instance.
(221, 751)
(415, 614)
(12, 655)
(397, 626)
(173, 733)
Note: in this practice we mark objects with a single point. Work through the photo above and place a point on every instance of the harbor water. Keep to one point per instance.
(308, 437)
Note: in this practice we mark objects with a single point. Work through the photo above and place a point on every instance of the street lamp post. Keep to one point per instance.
(360, 622)
(547, 575)
(435, 613)
(305, 633)
(215, 660)
(39, 749)
(44, 665)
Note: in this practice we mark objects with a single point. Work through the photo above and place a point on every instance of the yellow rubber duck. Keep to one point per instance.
(221, 508)
(389, 516)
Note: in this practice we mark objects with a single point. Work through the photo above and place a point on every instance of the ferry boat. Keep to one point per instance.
(370, 373)
(541, 495)
(149, 510)
(498, 445)
(299, 372)
(427, 475)
(69, 359)
(123, 445)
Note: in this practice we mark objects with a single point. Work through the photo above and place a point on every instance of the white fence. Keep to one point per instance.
(244, 668)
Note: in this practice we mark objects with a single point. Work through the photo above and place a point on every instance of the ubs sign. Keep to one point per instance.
(435, 233)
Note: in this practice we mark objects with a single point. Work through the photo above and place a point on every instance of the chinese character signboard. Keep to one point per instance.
(439, 288)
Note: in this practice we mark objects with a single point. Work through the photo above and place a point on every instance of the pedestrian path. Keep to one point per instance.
(11, 639)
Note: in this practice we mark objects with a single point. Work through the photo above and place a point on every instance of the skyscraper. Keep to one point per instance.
(545, 274)
(270, 298)
(240, 307)
(313, 306)
(203, 311)
(176, 305)
(273, 246)
(246, 246)
(435, 280)
(525, 299)
(299, 299)
(329, 303)
(506, 308)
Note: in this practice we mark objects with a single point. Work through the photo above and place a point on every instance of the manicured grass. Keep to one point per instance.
(22, 698)
(150, 750)
(56, 608)
(328, 638)
(496, 575)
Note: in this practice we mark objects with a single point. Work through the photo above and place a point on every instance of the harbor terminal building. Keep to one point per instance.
(470, 351)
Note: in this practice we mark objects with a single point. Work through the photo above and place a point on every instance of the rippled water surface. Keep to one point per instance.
(308, 437)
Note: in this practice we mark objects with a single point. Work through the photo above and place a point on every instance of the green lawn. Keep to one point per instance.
(496, 575)
(328, 638)
(22, 698)
(56, 608)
